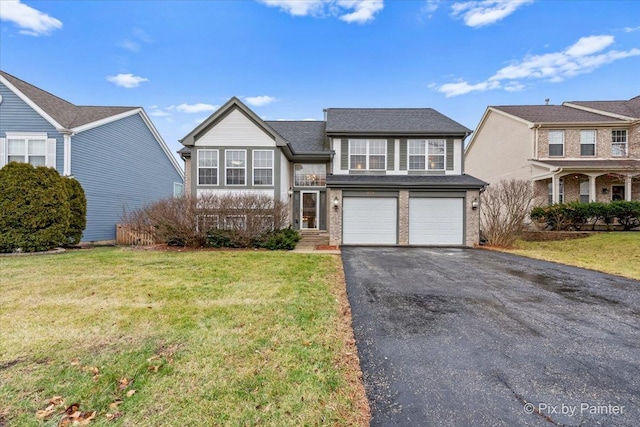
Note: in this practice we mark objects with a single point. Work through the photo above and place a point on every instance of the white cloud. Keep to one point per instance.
(486, 12)
(582, 57)
(200, 107)
(127, 80)
(134, 43)
(430, 6)
(259, 101)
(131, 45)
(156, 112)
(358, 11)
(31, 21)
(630, 29)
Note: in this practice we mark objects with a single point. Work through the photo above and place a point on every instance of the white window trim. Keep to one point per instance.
(426, 154)
(626, 143)
(244, 217)
(595, 143)
(203, 216)
(368, 153)
(209, 167)
(550, 144)
(48, 160)
(273, 222)
(226, 183)
(324, 166)
(253, 160)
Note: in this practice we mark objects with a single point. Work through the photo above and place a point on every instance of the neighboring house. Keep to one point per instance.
(115, 153)
(587, 151)
(364, 176)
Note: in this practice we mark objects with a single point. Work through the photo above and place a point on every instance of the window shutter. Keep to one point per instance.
(403, 154)
(344, 155)
(3, 152)
(449, 154)
(51, 153)
(391, 152)
(296, 210)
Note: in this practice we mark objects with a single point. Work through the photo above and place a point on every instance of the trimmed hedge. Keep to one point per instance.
(285, 239)
(576, 215)
(38, 209)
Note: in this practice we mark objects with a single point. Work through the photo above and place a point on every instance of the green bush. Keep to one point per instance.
(78, 206)
(285, 239)
(575, 215)
(224, 239)
(34, 208)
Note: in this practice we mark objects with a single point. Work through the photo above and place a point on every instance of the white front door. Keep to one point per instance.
(309, 209)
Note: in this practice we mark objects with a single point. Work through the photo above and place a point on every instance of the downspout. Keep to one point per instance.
(536, 141)
(66, 134)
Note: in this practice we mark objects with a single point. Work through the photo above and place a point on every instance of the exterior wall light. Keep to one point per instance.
(475, 204)
(290, 192)
(336, 202)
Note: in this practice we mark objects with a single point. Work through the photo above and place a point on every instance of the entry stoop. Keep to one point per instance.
(314, 238)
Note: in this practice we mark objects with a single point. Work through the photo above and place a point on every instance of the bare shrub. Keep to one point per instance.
(505, 206)
(191, 220)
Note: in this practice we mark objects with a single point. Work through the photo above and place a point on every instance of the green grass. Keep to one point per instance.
(240, 338)
(615, 253)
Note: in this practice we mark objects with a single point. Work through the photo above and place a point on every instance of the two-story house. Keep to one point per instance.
(580, 150)
(115, 153)
(365, 176)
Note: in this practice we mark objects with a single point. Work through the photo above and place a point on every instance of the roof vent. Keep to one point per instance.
(546, 101)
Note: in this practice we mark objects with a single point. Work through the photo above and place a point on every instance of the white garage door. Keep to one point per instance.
(369, 220)
(436, 221)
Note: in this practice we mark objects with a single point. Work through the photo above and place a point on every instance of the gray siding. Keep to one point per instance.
(121, 167)
(17, 116)
(344, 154)
(403, 154)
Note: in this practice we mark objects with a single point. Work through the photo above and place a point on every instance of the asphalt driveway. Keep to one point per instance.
(470, 337)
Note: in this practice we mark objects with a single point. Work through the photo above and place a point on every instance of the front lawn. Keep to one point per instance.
(177, 338)
(615, 253)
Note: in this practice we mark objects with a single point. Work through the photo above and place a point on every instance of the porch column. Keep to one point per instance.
(555, 189)
(627, 188)
(592, 188)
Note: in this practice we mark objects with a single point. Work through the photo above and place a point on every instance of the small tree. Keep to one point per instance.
(34, 208)
(504, 208)
(78, 206)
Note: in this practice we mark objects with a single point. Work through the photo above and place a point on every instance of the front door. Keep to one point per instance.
(617, 192)
(309, 210)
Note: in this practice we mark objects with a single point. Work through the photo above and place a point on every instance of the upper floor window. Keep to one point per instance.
(426, 154)
(263, 167)
(619, 142)
(31, 150)
(368, 154)
(556, 143)
(310, 174)
(207, 167)
(587, 142)
(236, 167)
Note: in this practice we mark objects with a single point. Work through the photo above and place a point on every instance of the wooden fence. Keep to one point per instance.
(126, 235)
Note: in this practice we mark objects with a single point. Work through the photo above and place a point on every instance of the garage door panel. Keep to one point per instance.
(436, 221)
(370, 221)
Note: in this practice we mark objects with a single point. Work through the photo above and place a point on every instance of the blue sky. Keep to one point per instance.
(289, 59)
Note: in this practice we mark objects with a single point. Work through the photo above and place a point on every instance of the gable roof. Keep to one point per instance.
(391, 121)
(630, 108)
(64, 113)
(303, 136)
(553, 114)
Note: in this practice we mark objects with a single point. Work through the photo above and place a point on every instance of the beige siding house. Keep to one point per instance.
(581, 150)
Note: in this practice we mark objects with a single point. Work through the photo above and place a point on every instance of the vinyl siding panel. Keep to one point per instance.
(17, 116)
(121, 167)
(235, 130)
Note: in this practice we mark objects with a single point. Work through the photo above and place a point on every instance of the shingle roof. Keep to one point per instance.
(630, 108)
(304, 136)
(395, 181)
(60, 110)
(391, 121)
(553, 114)
(594, 164)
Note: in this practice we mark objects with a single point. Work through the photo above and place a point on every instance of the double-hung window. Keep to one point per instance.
(236, 167)
(560, 193)
(31, 150)
(207, 167)
(262, 167)
(619, 142)
(368, 154)
(587, 142)
(426, 154)
(584, 191)
(556, 143)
